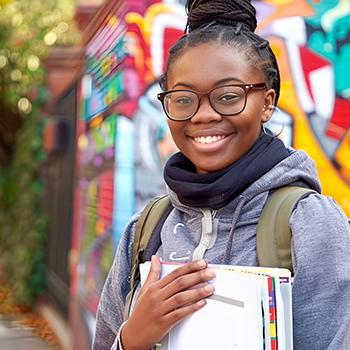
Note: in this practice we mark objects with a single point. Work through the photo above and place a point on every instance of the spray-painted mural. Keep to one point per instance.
(312, 42)
(125, 143)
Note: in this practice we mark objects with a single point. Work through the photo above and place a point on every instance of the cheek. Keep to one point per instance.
(176, 127)
(176, 130)
(251, 120)
(247, 125)
(172, 128)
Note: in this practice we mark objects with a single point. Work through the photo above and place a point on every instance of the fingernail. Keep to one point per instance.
(201, 302)
(209, 288)
(210, 273)
(202, 263)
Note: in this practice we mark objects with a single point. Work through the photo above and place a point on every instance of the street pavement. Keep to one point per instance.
(15, 336)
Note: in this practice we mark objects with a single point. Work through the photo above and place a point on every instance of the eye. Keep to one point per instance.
(183, 100)
(228, 97)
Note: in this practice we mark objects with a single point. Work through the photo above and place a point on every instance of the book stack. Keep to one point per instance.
(251, 309)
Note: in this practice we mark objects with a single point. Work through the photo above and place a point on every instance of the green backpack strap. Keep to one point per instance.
(145, 226)
(274, 236)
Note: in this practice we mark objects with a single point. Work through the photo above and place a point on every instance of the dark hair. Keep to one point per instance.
(230, 22)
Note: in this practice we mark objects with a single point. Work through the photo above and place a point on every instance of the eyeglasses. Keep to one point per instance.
(226, 100)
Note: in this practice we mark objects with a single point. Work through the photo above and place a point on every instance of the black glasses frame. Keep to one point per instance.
(245, 87)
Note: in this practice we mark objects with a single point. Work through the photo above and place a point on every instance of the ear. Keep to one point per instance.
(269, 103)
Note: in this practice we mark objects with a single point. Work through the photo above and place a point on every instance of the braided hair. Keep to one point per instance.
(229, 22)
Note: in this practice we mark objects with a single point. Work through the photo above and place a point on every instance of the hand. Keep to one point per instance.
(161, 304)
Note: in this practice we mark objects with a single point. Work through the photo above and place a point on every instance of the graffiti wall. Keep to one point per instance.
(311, 40)
(122, 144)
(124, 141)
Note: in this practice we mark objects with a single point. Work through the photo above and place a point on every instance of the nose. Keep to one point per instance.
(205, 113)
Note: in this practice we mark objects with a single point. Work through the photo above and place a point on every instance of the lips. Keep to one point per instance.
(209, 139)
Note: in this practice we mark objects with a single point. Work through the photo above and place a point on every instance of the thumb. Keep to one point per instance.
(154, 272)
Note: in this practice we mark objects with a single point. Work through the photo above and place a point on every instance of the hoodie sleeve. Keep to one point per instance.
(110, 311)
(321, 287)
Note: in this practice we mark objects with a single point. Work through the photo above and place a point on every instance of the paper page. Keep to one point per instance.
(282, 301)
(263, 281)
(286, 292)
(232, 318)
(219, 325)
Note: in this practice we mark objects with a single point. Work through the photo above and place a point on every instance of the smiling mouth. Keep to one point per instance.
(209, 139)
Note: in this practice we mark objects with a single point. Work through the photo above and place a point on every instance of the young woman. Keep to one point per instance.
(220, 86)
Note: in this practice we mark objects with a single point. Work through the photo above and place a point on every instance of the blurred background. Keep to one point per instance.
(83, 139)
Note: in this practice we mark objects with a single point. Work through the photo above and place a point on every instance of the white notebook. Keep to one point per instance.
(231, 320)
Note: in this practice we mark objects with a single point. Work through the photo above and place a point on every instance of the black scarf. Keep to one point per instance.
(217, 189)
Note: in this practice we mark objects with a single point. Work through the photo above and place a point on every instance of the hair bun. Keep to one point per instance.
(223, 11)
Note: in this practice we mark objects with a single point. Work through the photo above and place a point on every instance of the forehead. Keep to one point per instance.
(207, 65)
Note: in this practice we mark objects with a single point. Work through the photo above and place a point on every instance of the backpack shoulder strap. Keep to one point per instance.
(274, 236)
(146, 240)
(148, 220)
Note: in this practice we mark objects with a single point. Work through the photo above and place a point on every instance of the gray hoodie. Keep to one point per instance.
(320, 254)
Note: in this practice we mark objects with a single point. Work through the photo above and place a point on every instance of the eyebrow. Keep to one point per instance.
(218, 83)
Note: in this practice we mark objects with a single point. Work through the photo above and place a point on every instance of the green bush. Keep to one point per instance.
(23, 224)
(28, 29)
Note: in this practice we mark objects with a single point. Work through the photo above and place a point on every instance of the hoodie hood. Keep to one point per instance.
(296, 170)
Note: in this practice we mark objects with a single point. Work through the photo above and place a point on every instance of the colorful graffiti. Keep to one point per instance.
(125, 142)
(311, 41)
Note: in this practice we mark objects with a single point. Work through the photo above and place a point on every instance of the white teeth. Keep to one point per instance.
(209, 139)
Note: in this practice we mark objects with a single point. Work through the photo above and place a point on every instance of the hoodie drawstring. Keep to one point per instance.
(209, 233)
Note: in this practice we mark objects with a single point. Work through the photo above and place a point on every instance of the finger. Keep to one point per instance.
(183, 270)
(178, 315)
(185, 282)
(181, 299)
(154, 273)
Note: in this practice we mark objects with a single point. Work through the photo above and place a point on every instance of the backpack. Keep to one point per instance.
(273, 237)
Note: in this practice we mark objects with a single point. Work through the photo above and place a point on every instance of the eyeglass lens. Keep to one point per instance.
(183, 104)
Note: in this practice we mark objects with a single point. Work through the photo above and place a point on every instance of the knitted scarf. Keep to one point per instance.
(217, 189)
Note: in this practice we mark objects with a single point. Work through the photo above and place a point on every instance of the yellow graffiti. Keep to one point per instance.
(143, 62)
(279, 2)
(342, 156)
(145, 23)
(332, 181)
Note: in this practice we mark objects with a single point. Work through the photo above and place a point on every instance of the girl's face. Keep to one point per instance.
(210, 140)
